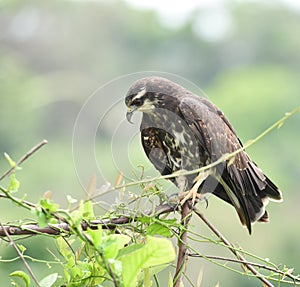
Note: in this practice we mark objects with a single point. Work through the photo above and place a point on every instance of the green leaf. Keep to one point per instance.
(96, 236)
(88, 210)
(49, 280)
(158, 229)
(130, 249)
(22, 275)
(9, 159)
(14, 184)
(144, 219)
(48, 205)
(77, 215)
(22, 248)
(42, 218)
(156, 251)
(65, 249)
(147, 278)
(170, 281)
(121, 239)
(113, 243)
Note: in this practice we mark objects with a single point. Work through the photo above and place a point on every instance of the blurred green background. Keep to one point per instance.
(245, 56)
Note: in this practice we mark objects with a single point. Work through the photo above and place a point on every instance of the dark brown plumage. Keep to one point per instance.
(183, 131)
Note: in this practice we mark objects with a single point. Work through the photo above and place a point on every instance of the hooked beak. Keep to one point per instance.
(130, 111)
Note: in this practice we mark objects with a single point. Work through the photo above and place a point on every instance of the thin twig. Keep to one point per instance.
(20, 255)
(262, 266)
(232, 249)
(23, 158)
(182, 244)
(7, 195)
(17, 201)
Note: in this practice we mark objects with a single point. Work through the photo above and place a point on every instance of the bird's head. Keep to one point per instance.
(140, 98)
(147, 94)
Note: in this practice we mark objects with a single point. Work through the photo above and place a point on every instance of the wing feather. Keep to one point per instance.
(245, 185)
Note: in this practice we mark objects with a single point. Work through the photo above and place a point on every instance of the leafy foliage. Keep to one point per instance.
(92, 256)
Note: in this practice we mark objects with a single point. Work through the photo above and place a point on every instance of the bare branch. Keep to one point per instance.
(23, 158)
(20, 255)
(262, 266)
(232, 249)
(182, 244)
(16, 200)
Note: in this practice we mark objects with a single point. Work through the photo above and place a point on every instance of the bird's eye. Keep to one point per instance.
(138, 102)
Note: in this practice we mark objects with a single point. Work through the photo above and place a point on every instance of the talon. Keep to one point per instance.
(193, 192)
(206, 201)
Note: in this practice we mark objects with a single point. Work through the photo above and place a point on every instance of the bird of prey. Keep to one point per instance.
(181, 131)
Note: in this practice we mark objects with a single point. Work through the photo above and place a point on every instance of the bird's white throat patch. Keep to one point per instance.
(147, 107)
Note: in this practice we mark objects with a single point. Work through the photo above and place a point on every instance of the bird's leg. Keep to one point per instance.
(193, 192)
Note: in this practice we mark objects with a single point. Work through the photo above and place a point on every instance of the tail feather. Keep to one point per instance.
(249, 191)
(265, 217)
(272, 191)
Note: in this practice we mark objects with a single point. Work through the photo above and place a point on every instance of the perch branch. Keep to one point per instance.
(182, 244)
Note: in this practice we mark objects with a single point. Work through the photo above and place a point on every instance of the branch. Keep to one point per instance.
(28, 203)
(23, 158)
(61, 228)
(262, 266)
(20, 255)
(232, 249)
(182, 244)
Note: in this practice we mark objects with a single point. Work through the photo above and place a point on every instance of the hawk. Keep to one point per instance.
(181, 131)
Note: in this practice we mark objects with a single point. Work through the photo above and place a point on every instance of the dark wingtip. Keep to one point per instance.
(249, 229)
(272, 191)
